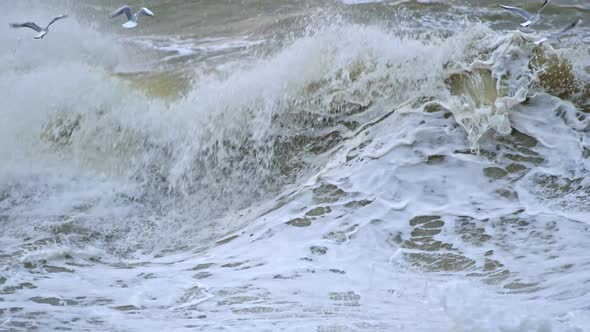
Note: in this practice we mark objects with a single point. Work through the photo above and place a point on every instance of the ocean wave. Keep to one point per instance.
(433, 153)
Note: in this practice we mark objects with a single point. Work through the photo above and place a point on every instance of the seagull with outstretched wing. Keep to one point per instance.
(131, 18)
(42, 31)
(530, 19)
(556, 36)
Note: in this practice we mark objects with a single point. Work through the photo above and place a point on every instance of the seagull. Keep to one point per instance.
(42, 31)
(530, 19)
(131, 18)
(561, 33)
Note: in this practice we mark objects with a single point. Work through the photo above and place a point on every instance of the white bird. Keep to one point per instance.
(42, 31)
(131, 18)
(558, 35)
(530, 19)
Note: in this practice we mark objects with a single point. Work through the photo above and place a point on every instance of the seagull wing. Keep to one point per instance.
(567, 28)
(543, 7)
(56, 19)
(27, 25)
(123, 10)
(518, 11)
(145, 11)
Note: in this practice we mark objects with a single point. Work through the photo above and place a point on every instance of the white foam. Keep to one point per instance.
(96, 234)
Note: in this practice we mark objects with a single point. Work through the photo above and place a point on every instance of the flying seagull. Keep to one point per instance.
(131, 18)
(530, 19)
(557, 35)
(42, 31)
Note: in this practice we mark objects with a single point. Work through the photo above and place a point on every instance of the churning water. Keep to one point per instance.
(294, 165)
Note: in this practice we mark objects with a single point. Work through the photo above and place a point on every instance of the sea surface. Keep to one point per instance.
(295, 165)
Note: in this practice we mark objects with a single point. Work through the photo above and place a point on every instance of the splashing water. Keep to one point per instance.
(333, 176)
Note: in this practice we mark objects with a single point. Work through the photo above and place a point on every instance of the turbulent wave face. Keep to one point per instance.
(355, 177)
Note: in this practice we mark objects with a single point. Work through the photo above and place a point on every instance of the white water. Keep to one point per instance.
(120, 211)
